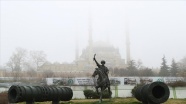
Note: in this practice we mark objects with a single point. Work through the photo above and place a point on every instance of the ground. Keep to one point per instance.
(114, 101)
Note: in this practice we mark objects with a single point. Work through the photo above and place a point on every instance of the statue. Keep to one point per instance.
(103, 80)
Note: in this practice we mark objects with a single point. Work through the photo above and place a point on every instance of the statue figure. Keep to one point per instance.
(103, 68)
(103, 80)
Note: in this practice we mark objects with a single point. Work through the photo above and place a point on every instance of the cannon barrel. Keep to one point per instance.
(154, 93)
(28, 94)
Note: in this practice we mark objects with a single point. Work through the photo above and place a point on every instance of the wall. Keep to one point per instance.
(121, 86)
(178, 92)
(2, 89)
(125, 91)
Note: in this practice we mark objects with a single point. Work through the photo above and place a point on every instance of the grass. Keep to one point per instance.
(176, 101)
(113, 101)
(107, 101)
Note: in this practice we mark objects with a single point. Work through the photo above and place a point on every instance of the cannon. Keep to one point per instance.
(31, 94)
(154, 93)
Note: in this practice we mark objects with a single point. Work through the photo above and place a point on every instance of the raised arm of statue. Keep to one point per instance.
(96, 61)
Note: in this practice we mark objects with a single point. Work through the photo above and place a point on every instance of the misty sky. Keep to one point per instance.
(156, 28)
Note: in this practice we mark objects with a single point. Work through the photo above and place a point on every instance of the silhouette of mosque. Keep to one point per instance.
(84, 62)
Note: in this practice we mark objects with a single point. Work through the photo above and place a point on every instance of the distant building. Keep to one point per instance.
(84, 62)
(103, 51)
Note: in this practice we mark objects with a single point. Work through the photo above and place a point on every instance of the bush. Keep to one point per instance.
(4, 98)
(90, 94)
(106, 94)
(134, 89)
(95, 95)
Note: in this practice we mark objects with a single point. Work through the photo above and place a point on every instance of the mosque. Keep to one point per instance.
(84, 62)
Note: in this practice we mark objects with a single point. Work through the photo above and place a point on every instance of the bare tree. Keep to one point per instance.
(30, 70)
(182, 64)
(17, 58)
(182, 67)
(48, 73)
(32, 73)
(16, 61)
(38, 57)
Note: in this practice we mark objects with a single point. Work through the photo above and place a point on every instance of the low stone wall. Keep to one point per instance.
(125, 91)
(178, 92)
(2, 89)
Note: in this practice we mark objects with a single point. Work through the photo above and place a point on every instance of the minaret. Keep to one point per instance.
(128, 46)
(90, 38)
(77, 48)
(127, 41)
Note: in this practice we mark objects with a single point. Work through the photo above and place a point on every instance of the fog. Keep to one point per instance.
(156, 28)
